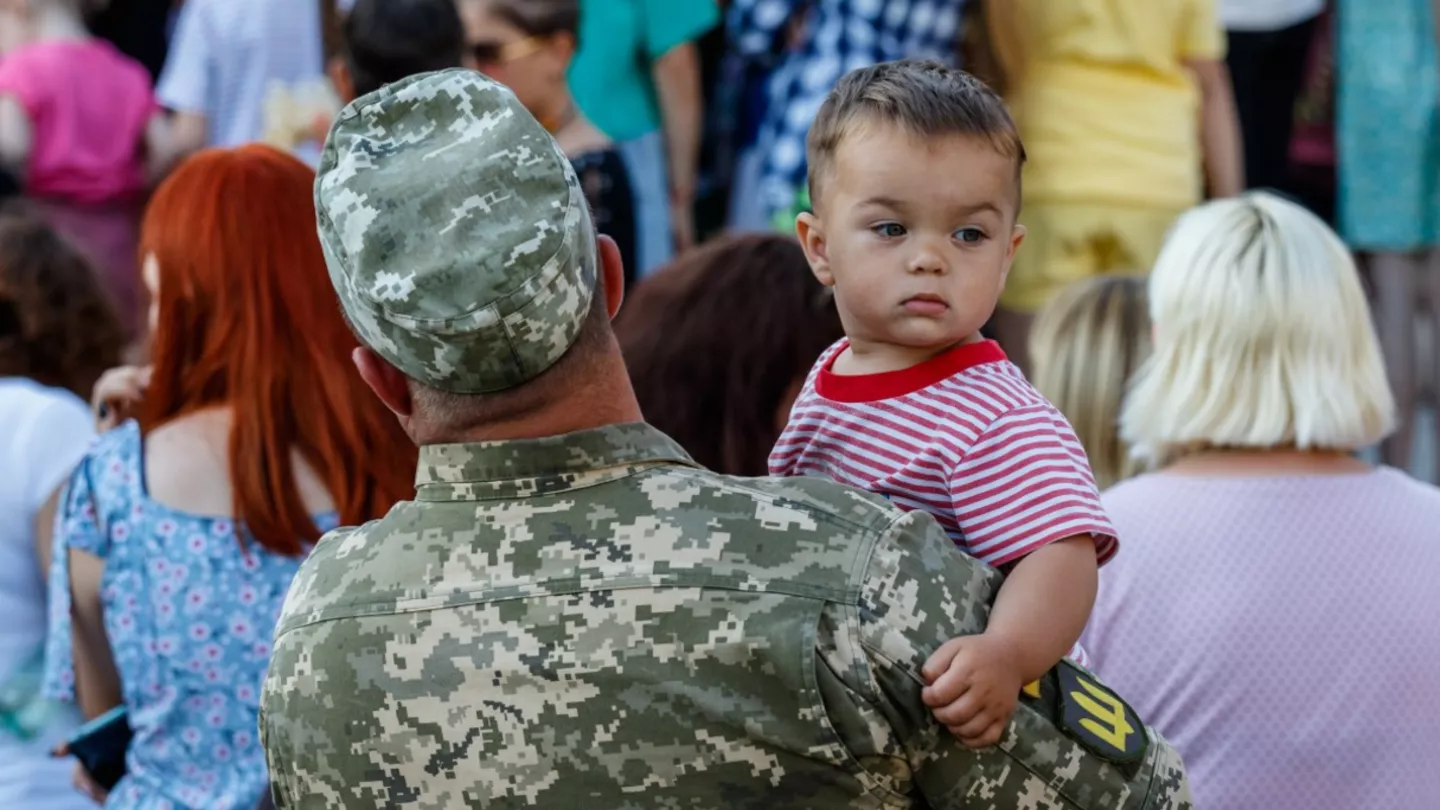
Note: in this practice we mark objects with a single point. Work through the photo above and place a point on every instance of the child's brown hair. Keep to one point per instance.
(923, 98)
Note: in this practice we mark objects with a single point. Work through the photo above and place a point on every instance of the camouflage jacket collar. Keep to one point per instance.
(527, 467)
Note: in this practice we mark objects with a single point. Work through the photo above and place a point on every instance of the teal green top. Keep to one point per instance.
(619, 41)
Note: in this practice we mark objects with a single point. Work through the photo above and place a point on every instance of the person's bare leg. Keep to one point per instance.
(1394, 276)
(1012, 330)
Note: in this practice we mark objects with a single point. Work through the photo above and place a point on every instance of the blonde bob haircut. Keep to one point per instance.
(1263, 339)
(1085, 346)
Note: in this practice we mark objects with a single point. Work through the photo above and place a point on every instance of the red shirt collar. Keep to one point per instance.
(890, 384)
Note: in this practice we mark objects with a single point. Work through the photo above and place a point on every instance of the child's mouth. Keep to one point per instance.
(926, 305)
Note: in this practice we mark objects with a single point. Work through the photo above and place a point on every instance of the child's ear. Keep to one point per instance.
(811, 232)
(1017, 236)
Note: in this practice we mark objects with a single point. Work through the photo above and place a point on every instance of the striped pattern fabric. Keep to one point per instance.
(228, 56)
(964, 437)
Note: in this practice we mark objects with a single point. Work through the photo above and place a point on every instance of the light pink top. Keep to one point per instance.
(88, 105)
(1283, 633)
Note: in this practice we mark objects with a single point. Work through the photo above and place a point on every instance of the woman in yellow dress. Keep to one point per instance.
(1128, 116)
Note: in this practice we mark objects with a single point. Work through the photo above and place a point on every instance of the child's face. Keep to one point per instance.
(916, 235)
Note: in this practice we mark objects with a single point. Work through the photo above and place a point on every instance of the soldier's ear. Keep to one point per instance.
(341, 78)
(612, 273)
(388, 382)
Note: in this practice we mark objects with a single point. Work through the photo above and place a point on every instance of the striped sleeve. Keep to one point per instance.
(1025, 483)
(800, 426)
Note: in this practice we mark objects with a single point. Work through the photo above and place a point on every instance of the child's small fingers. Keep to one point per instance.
(959, 712)
(990, 736)
(946, 689)
(939, 661)
(976, 726)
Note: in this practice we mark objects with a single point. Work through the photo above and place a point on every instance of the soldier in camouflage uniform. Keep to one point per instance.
(571, 614)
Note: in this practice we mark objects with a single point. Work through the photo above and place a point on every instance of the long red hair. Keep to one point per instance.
(248, 320)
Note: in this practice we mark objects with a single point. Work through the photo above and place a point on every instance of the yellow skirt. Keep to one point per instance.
(1067, 242)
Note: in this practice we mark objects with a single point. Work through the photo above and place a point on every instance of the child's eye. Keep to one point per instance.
(889, 230)
(970, 236)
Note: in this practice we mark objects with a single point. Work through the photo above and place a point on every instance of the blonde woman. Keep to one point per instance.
(1274, 611)
(1085, 346)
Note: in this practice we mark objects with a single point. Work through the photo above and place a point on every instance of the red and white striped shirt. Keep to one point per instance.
(963, 436)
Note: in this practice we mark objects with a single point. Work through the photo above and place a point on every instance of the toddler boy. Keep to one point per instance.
(915, 182)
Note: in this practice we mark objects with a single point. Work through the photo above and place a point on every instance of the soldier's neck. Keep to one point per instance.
(603, 398)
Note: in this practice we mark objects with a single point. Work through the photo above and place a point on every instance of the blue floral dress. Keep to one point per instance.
(1388, 124)
(189, 612)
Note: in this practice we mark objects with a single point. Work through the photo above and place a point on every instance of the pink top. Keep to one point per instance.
(1283, 633)
(88, 106)
(963, 437)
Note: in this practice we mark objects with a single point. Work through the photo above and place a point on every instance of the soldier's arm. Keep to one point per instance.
(919, 592)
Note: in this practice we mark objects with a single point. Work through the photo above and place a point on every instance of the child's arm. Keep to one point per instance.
(1220, 140)
(16, 137)
(159, 149)
(1042, 608)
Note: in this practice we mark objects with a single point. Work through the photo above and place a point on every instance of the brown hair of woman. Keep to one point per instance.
(56, 325)
(718, 345)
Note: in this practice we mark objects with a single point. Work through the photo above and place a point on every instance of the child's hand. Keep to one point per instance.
(975, 682)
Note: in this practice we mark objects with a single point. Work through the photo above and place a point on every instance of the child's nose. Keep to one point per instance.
(928, 261)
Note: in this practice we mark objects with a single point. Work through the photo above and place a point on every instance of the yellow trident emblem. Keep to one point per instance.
(1107, 720)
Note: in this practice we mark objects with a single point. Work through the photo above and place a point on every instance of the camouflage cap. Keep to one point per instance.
(456, 232)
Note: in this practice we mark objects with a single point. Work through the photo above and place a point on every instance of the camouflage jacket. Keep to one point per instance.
(590, 622)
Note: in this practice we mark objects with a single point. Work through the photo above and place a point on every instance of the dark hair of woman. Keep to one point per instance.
(540, 18)
(719, 343)
(56, 325)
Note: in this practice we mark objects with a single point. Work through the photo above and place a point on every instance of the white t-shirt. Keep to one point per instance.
(44, 433)
(227, 56)
(1267, 15)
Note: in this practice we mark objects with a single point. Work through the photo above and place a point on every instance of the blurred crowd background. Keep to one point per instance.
(686, 121)
(691, 115)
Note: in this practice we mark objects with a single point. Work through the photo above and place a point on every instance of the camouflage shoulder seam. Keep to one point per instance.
(862, 573)
(881, 518)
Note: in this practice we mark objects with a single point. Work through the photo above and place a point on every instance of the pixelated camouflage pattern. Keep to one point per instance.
(591, 622)
(456, 232)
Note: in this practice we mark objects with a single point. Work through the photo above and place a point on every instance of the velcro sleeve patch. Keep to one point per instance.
(1094, 716)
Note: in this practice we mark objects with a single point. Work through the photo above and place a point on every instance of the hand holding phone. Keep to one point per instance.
(99, 747)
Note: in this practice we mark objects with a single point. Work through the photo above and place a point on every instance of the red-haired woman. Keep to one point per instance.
(180, 531)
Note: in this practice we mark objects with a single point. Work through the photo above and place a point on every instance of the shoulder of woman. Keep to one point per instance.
(1137, 491)
(187, 463)
(25, 403)
(588, 143)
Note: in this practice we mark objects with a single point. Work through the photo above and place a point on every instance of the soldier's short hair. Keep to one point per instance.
(926, 99)
(1263, 339)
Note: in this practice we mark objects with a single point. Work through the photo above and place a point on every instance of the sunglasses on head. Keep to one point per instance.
(499, 53)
